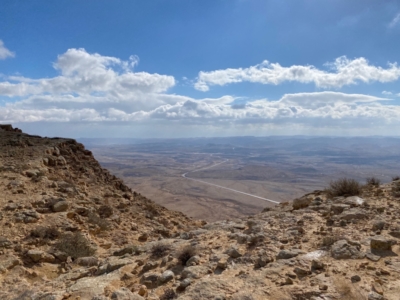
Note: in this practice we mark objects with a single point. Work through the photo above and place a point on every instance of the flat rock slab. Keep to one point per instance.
(286, 254)
(344, 250)
(381, 243)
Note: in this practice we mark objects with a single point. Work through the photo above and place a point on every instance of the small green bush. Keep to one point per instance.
(75, 245)
(344, 187)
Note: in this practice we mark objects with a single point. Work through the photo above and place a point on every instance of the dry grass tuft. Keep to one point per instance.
(160, 250)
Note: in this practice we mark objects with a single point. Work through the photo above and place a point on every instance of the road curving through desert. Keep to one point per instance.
(223, 187)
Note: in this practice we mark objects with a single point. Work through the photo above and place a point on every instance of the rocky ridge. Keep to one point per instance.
(71, 230)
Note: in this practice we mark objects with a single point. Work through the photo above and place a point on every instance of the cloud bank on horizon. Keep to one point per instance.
(94, 92)
(96, 88)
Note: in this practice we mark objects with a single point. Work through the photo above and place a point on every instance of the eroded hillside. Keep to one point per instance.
(71, 230)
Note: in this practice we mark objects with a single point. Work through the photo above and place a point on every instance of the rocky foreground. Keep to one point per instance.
(71, 230)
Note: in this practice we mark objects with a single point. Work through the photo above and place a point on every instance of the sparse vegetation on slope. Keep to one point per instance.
(75, 245)
(344, 187)
(186, 253)
(373, 181)
(52, 245)
(160, 249)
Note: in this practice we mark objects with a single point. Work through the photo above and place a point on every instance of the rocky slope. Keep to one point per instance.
(71, 230)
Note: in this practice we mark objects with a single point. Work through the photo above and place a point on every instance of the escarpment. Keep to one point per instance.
(71, 230)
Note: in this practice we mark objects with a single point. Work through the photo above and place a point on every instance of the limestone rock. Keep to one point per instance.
(378, 225)
(353, 214)
(193, 261)
(381, 243)
(338, 208)
(233, 252)
(194, 272)
(166, 276)
(87, 261)
(35, 255)
(125, 294)
(60, 206)
(150, 279)
(286, 254)
(344, 250)
(374, 296)
(4, 242)
(185, 283)
(9, 262)
(149, 265)
(132, 249)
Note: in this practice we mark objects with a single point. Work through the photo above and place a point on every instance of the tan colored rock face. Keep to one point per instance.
(52, 189)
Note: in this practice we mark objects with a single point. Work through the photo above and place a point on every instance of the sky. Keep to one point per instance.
(200, 68)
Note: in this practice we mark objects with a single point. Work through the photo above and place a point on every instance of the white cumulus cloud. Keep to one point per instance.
(98, 91)
(395, 21)
(4, 52)
(91, 78)
(341, 72)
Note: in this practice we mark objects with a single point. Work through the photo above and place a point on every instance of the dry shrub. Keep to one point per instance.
(169, 294)
(396, 190)
(75, 245)
(160, 250)
(105, 211)
(344, 187)
(373, 181)
(45, 233)
(394, 178)
(186, 253)
(102, 223)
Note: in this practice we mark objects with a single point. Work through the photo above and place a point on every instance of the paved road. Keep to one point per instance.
(222, 187)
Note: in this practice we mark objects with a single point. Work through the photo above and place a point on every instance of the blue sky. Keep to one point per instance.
(200, 68)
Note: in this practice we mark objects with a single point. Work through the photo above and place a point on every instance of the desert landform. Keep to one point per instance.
(275, 168)
(70, 229)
